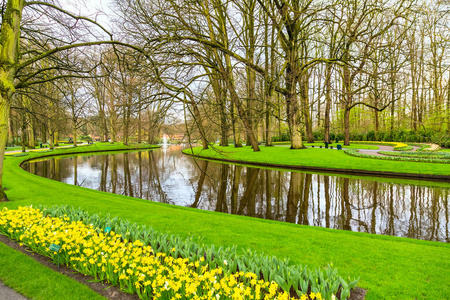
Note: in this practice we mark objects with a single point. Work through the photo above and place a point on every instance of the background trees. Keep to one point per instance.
(232, 71)
(320, 70)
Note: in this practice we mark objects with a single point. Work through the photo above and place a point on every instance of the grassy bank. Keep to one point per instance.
(318, 144)
(389, 267)
(36, 281)
(319, 158)
(96, 147)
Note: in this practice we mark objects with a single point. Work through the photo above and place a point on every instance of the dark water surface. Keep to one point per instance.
(166, 175)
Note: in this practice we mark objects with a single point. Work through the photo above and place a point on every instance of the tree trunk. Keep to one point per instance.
(105, 134)
(113, 126)
(348, 96)
(4, 125)
(23, 136)
(393, 103)
(327, 102)
(75, 135)
(139, 123)
(292, 108)
(413, 82)
(56, 138)
(113, 136)
(223, 118)
(228, 78)
(347, 127)
(126, 117)
(376, 97)
(29, 122)
(30, 130)
(268, 119)
(9, 57)
(269, 66)
(51, 135)
(44, 133)
(220, 94)
(198, 120)
(304, 95)
(250, 41)
(241, 112)
(235, 128)
(448, 107)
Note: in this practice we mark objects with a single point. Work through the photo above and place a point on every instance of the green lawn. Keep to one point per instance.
(36, 281)
(389, 267)
(14, 148)
(318, 144)
(96, 147)
(321, 158)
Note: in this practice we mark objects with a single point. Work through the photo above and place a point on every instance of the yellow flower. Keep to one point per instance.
(134, 265)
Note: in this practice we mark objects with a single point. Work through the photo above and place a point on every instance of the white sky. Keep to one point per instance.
(99, 10)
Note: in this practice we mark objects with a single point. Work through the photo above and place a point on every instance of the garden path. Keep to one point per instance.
(375, 152)
(7, 293)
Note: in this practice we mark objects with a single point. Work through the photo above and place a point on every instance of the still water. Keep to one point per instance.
(166, 175)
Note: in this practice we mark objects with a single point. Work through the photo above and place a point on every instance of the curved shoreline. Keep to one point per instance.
(429, 177)
(84, 152)
(302, 244)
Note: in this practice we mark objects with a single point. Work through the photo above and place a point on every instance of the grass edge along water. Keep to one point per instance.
(267, 276)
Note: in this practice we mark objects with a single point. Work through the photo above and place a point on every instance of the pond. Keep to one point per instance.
(394, 207)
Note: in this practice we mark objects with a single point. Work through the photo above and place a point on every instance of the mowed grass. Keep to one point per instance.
(14, 148)
(322, 158)
(96, 147)
(388, 267)
(334, 145)
(36, 281)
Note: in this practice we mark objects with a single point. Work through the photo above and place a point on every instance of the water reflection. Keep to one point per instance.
(167, 176)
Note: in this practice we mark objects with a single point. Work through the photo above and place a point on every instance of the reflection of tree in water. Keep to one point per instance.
(247, 202)
(327, 200)
(104, 176)
(128, 187)
(235, 189)
(294, 195)
(221, 204)
(114, 173)
(310, 199)
(154, 187)
(268, 189)
(75, 170)
(203, 167)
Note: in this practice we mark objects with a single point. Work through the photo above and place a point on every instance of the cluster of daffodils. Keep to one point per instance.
(133, 266)
(393, 144)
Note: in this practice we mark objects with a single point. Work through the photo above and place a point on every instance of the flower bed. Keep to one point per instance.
(354, 152)
(396, 145)
(159, 266)
(405, 148)
(420, 155)
(422, 147)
